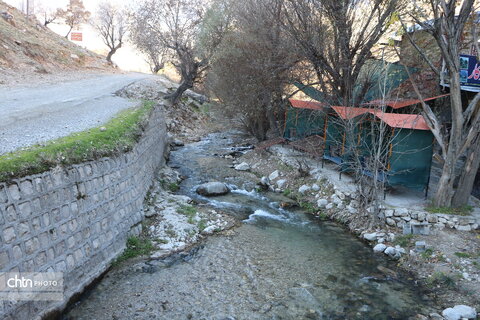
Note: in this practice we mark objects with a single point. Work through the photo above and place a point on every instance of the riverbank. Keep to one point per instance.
(276, 263)
(449, 264)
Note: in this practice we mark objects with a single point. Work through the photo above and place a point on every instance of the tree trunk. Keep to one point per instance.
(445, 191)
(110, 54)
(444, 194)
(175, 96)
(157, 67)
(66, 37)
(260, 126)
(467, 177)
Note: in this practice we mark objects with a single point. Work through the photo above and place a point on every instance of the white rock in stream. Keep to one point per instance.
(459, 312)
(212, 189)
(274, 175)
(315, 187)
(242, 166)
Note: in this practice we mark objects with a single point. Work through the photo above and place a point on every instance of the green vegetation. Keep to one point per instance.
(187, 210)
(463, 254)
(404, 240)
(460, 211)
(442, 279)
(287, 192)
(173, 187)
(116, 136)
(323, 216)
(136, 246)
(427, 253)
(308, 207)
(202, 224)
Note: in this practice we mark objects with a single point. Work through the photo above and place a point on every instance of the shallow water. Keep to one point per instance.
(277, 265)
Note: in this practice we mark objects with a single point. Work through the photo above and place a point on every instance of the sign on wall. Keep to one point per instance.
(469, 71)
(76, 36)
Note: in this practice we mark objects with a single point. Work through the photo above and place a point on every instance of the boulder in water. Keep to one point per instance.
(214, 188)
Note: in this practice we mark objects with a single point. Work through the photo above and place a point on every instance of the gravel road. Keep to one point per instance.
(34, 115)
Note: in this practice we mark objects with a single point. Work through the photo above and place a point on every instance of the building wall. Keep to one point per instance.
(76, 220)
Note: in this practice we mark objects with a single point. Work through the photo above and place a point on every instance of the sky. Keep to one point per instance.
(127, 58)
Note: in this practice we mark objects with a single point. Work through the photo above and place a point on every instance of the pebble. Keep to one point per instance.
(370, 236)
(322, 203)
(274, 175)
(242, 167)
(304, 189)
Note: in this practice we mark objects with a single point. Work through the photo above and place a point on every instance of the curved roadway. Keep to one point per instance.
(33, 115)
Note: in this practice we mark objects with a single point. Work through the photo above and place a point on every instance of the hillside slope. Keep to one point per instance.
(28, 49)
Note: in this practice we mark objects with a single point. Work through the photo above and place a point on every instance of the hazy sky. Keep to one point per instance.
(126, 58)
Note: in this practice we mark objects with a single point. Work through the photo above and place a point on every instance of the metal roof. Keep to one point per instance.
(350, 112)
(394, 120)
(301, 104)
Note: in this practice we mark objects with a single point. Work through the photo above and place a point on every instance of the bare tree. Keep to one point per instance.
(253, 65)
(48, 13)
(145, 40)
(111, 24)
(336, 38)
(74, 15)
(448, 30)
(176, 25)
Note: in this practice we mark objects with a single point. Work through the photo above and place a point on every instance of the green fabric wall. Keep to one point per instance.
(411, 158)
(305, 122)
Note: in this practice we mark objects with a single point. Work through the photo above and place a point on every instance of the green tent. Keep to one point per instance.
(410, 144)
(303, 119)
(410, 158)
(380, 78)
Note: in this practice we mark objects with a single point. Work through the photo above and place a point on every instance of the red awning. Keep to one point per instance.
(405, 121)
(394, 120)
(301, 104)
(349, 112)
(397, 104)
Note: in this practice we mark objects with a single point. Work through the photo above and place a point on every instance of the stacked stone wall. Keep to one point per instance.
(76, 219)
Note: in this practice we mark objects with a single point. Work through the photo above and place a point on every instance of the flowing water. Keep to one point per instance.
(277, 265)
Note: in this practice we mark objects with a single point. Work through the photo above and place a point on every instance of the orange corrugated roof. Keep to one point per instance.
(406, 121)
(394, 120)
(301, 104)
(349, 112)
(397, 104)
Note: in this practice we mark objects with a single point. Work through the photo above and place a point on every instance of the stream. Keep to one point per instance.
(278, 264)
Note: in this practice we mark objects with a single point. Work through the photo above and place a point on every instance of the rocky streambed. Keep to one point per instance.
(277, 264)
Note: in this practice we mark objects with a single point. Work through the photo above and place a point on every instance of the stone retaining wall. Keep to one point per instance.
(399, 217)
(76, 220)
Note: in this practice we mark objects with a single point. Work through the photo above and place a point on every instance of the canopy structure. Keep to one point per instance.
(394, 120)
(410, 145)
(302, 104)
(377, 78)
(303, 119)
